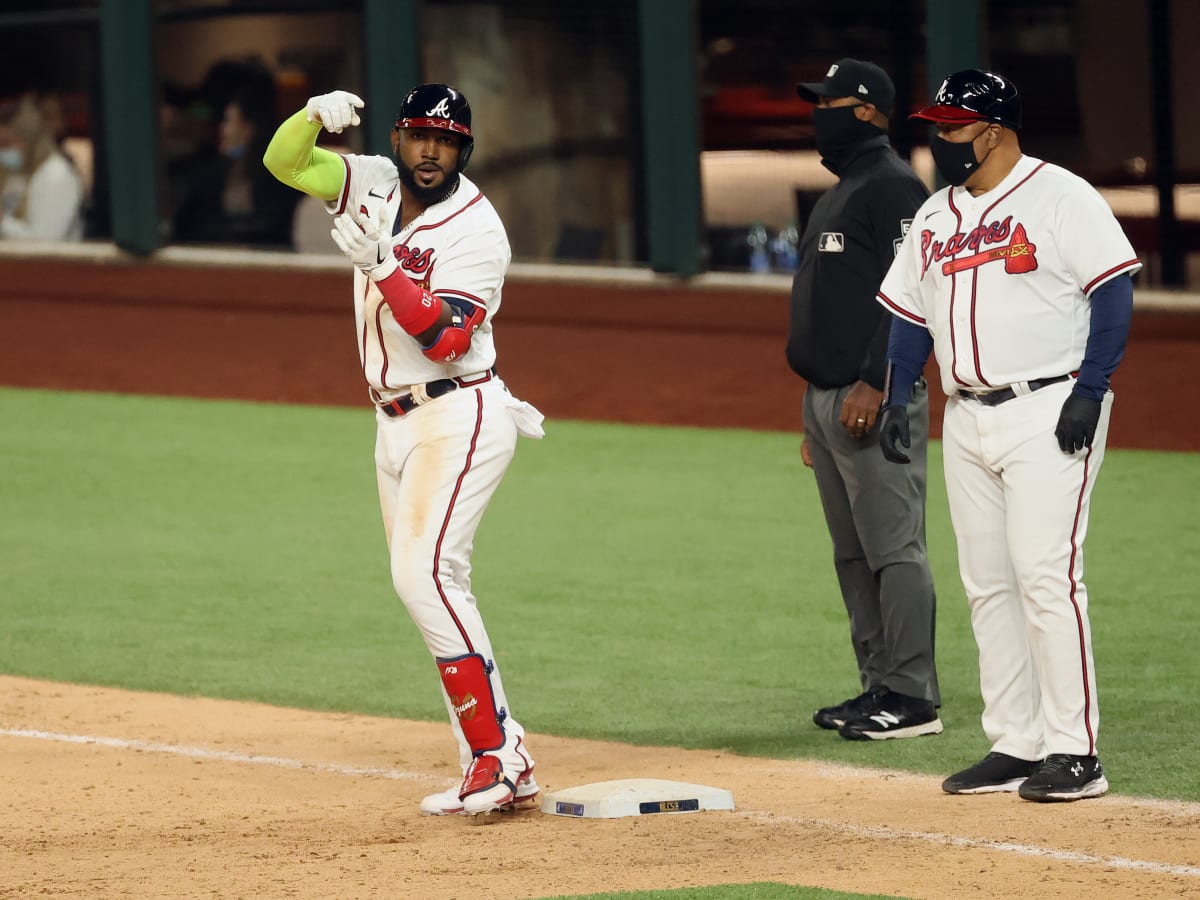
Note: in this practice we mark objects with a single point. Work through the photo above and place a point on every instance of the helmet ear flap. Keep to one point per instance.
(464, 153)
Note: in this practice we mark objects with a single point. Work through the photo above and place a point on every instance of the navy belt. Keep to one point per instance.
(406, 403)
(1003, 395)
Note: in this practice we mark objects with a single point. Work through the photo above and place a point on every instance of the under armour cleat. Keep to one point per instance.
(996, 773)
(1065, 777)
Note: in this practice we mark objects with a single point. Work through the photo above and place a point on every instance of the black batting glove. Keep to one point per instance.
(893, 430)
(1077, 423)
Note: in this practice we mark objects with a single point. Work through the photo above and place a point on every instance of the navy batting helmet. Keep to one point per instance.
(439, 106)
(975, 96)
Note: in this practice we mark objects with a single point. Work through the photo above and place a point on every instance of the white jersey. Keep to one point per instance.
(1003, 281)
(456, 249)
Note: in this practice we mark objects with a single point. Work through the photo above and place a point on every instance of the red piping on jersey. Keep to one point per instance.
(345, 188)
(470, 298)
(1091, 285)
(953, 294)
(437, 550)
(382, 347)
(367, 288)
(898, 310)
(469, 204)
(974, 334)
(1087, 695)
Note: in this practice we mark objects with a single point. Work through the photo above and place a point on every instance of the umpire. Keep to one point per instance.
(837, 342)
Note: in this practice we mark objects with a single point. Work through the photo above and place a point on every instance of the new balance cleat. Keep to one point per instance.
(891, 715)
(834, 717)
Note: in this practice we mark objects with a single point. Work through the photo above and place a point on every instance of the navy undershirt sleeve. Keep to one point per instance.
(1112, 309)
(909, 346)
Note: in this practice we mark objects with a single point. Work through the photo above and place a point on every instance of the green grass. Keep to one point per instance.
(656, 585)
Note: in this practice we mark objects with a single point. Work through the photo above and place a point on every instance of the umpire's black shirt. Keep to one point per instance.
(839, 332)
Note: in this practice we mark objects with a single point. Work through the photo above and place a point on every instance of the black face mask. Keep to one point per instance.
(955, 162)
(838, 132)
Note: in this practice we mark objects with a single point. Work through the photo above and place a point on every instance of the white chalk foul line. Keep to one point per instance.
(868, 831)
(221, 755)
(952, 840)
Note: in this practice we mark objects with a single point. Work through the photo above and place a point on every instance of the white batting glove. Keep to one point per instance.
(335, 111)
(360, 240)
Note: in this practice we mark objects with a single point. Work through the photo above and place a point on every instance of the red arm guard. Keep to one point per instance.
(414, 309)
(453, 341)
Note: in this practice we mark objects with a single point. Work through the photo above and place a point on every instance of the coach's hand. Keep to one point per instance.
(1077, 423)
(334, 111)
(893, 430)
(359, 239)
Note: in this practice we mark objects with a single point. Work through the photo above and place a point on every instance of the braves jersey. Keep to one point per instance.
(1003, 281)
(456, 249)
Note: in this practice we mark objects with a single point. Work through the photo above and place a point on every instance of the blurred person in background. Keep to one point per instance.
(231, 198)
(41, 192)
(54, 117)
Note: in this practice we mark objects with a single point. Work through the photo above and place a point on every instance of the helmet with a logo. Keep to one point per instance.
(439, 106)
(974, 96)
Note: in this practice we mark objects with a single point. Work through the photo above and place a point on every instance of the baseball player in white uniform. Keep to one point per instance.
(430, 254)
(1017, 276)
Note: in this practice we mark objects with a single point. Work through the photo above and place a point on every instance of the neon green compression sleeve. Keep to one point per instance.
(295, 159)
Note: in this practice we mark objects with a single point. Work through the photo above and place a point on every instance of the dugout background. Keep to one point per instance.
(639, 133)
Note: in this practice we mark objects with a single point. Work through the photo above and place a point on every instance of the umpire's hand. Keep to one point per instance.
(893, 430)
(1077, 423)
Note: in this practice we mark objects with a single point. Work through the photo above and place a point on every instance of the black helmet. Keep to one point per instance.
(439, 106)
(975, 96)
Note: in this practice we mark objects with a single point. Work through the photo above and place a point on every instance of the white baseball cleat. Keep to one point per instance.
(448, 803)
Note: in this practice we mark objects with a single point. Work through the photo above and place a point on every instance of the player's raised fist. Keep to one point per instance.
(334, 111)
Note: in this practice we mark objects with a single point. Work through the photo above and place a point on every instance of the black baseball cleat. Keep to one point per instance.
(1065, 777)
(891, 715)
(995, 773)
(834, 717)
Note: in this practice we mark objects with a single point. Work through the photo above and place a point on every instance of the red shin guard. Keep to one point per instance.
(470, 690)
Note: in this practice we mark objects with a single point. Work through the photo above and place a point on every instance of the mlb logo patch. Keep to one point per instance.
(832, 242)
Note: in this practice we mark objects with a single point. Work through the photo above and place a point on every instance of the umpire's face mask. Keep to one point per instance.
(838, 131)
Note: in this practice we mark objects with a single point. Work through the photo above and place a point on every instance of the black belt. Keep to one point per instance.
(1003, 395)
(406, 403)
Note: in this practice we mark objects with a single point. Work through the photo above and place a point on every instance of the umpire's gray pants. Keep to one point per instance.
(875, 511)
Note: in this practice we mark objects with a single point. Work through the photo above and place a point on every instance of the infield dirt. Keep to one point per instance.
(113, 793)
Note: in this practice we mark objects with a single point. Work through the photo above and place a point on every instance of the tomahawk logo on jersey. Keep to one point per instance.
(1018, 253)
